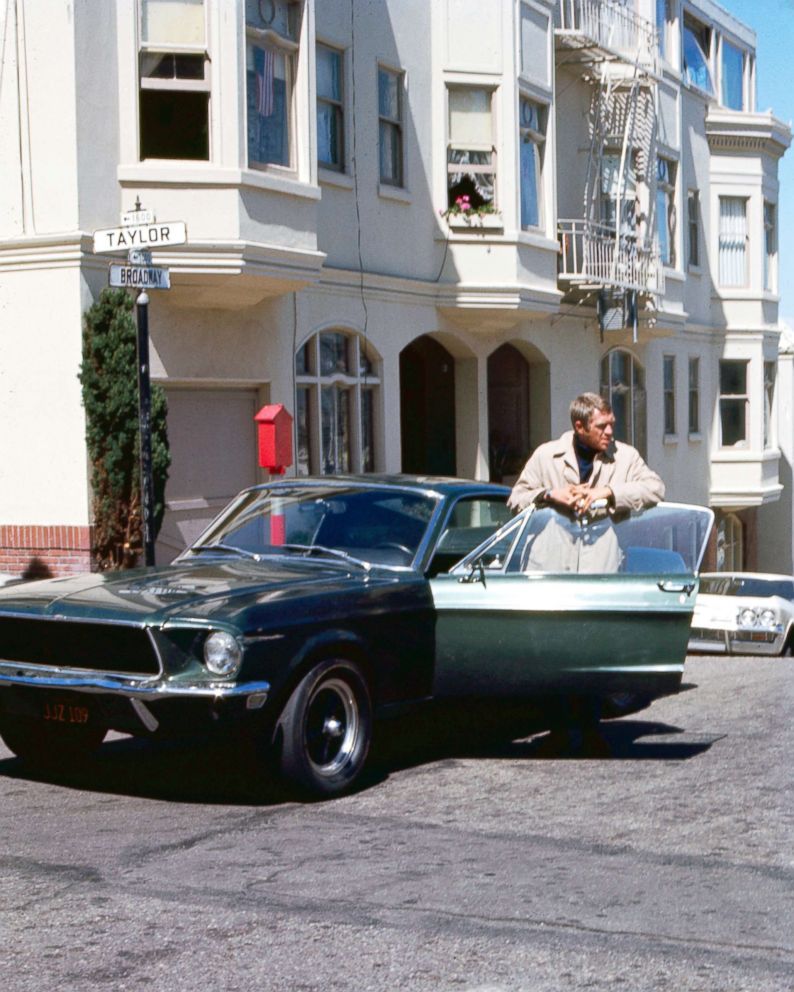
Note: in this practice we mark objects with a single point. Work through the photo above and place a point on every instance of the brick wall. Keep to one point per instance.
(37, 552)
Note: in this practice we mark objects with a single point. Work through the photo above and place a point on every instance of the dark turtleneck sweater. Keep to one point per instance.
(585, 457)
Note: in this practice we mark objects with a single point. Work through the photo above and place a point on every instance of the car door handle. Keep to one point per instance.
(669, 585)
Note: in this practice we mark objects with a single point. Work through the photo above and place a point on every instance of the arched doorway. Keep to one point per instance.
(427, 408)
(508, 413)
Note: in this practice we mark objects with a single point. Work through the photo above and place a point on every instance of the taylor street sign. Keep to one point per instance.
(139, 277)
(141, 236)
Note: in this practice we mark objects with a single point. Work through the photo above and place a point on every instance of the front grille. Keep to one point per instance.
(96, 647)
(705, 634)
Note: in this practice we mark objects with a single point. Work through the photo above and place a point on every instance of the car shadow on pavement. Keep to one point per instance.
(215, 772)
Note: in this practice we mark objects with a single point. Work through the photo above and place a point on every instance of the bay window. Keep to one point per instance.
(174, 79)
(337, 386)
(471, 157)
(272, 48)
(733, 241)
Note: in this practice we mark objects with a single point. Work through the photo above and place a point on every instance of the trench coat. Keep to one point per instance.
(634, 486)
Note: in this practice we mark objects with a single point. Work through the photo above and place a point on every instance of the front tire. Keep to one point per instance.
(326, 729)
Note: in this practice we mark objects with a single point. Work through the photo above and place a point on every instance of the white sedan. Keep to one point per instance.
(744, 613)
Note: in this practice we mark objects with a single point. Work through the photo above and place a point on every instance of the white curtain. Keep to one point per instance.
(733, 241)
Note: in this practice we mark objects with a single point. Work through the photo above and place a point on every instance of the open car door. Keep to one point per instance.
(551, 605)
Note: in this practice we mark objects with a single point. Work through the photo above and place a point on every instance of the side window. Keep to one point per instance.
(471, 521)
(391, 85)
(330, 109)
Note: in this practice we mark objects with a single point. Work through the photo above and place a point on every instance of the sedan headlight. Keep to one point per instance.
(768, 618)
(747, 617)
(222, 653)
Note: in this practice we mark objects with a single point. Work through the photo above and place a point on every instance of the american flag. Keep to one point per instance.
(264, 65)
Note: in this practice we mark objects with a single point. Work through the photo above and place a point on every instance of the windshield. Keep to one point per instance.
(379, 526)
(668, 538)
(732, 585)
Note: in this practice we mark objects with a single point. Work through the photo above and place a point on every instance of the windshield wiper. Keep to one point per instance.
(220, 546)
(333, 552)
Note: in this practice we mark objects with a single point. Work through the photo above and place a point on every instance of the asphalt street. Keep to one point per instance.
(662, 859)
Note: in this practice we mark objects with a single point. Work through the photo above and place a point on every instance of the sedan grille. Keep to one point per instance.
(95, 647)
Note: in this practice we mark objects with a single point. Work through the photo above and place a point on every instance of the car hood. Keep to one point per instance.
(197, 587)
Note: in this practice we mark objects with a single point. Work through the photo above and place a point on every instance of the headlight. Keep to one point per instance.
(222, 653)
(747, 617)
(768, 618)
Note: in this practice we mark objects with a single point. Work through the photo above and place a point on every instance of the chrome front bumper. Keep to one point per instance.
(148, 689)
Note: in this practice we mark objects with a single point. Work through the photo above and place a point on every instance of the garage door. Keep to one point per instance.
(212, 436)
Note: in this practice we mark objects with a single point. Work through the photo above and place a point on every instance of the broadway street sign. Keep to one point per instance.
(139, 277)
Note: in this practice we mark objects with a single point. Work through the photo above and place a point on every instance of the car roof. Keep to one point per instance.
(443, 485)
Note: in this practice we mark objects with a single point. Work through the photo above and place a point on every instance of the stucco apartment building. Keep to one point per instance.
(421, 225)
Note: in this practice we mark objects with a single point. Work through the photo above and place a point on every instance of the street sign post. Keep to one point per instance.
(139, 233)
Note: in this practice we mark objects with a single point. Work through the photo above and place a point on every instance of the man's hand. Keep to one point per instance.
(578, 498)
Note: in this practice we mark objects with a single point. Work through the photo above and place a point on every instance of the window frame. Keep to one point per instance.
(337, 106)
(734, 399)
(636, 433)
(359, 380)
(471, 169)
(730, 544)
(693, 228)
(770, 247)
(270, 39)
(727, 239)
(536, 137)
(726, 44)
(770, 382)
(669, 395)
(175, 84)
(394, 126)
(666, 176)
(700, 32)
(693, 396)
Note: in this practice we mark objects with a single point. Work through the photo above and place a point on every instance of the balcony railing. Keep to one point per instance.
(611, 25)
(592, 254)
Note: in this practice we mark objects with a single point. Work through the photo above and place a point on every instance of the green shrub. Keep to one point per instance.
(109, 379)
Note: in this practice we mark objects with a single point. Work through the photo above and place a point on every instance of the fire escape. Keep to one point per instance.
(611, 254)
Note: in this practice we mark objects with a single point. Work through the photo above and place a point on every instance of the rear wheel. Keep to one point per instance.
(45, 745)
(326, 729)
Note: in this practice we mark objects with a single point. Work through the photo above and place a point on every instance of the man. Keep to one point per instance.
(587, 464)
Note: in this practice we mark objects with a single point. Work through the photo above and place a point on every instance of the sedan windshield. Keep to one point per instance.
(731, 585)
(379, 526)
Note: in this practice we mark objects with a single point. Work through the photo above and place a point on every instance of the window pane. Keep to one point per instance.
(335, 416)
(696, 56)
(172, 22)
(390, 154)
(733, 378)
(388, 94)
(530, 205)
(733, 241)
(329, 73)
(470, 117)
(333, 353)
(268, 106)
(329, 135)
(367, 431)
(732, 417)
(694, 395)
(174, 124)
(302, 414)
(732, 76)
(303, 365)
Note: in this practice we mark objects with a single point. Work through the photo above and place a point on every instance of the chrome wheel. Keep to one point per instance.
(332, 726)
